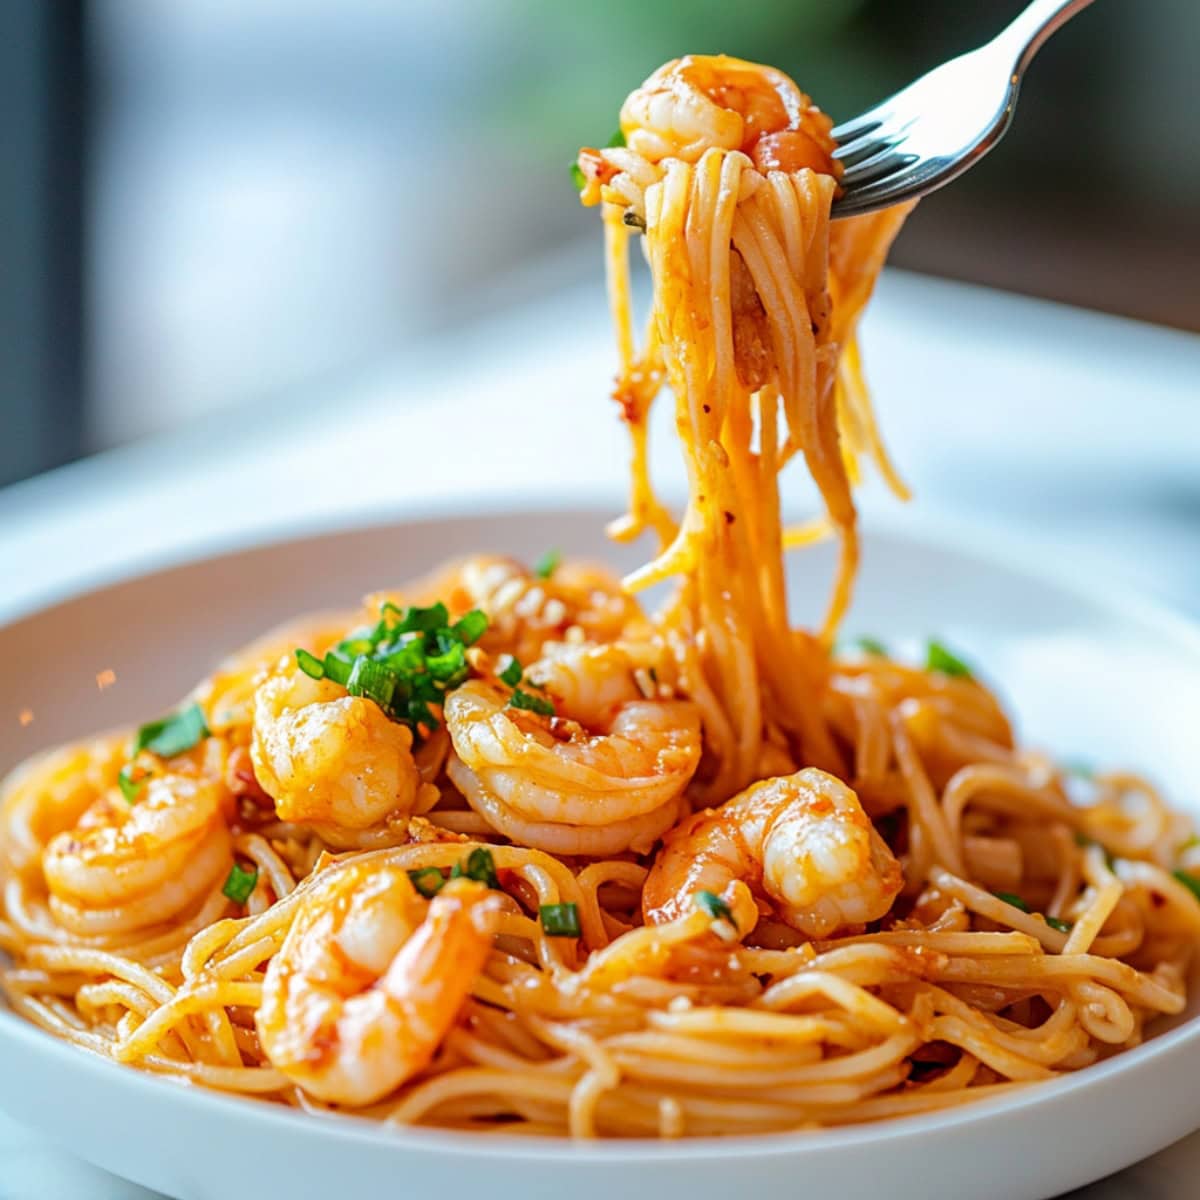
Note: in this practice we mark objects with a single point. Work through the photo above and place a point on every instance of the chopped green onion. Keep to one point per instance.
(1061, 926)
(1082, 839)
(310, 664)
(417, 713)
(471, 627)
(479, 866)
(1014, 900)
(428, 881)
(338, 668)
(511, 674)
(872, 646)
(560, 920)
(578, 178)
(1189, 881)
(712, 904)
(425, 620)
(407, 656)
(406, 662)
(537, 704)
(128, 785)
(450, 667)
(1192, 840)
(938, 658)
(547, 564)
(372, 680)
(172, 735)
(617, 139)
(239, 884)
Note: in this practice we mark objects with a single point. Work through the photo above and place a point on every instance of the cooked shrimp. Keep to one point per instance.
(332, 759)
(703, 101)
(605, 774)
(801, 842)
(130, 865)
(576, 600)
(49, 794)
(227, 696)
(370, 979)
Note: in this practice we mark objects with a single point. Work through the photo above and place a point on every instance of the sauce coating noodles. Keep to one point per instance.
(502, 852)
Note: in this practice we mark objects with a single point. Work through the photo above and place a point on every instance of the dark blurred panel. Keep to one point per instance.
(42, 197)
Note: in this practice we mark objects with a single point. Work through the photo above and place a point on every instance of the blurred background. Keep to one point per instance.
(210, 203)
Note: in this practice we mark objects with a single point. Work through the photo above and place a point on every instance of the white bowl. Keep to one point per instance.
(1088, 674)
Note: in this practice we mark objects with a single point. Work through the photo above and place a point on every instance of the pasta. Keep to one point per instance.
(500, 851)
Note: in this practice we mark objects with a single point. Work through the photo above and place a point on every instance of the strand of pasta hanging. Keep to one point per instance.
(726, 169)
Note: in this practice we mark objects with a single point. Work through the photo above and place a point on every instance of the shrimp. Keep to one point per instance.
(370, 979)
(700, 102)
(604, 775)
(576, 600)
(331, 759)
(49, 793)
(227, 696)
(802, 842)
(128, 865)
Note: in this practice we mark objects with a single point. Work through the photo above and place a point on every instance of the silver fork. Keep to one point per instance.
(945, 122)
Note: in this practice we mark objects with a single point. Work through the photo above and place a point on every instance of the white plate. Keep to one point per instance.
(1088, 674)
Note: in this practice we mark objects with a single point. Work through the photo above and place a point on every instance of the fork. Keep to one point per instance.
(946, 121)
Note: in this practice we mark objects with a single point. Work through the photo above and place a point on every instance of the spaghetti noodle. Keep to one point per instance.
(501, 852)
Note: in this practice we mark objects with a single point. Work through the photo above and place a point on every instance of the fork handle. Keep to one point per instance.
(1028, 32)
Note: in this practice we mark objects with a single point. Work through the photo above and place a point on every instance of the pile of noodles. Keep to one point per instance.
(1044, 921)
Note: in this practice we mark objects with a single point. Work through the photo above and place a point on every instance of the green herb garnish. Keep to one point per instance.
(310, 664)
(712, 904)
(471, 627)
(1061, 926)
(172, 735)
(537, 704)
(871, 646)
(373, 680)
(560, 920)
(547, 564)
(938, 658)
(479, 866)
(428, 881)
(617, 139)
(239, 884)
(129, 786)
(1189, 881)
(512, 672)
(1014, 900)
(578, 178)
(338, 667)
(406, 662)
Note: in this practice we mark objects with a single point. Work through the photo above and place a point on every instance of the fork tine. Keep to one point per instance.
(856, 150)
(858, 126)
(886, 162)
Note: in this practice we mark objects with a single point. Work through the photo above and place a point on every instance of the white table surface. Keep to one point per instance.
(1077, 433)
